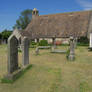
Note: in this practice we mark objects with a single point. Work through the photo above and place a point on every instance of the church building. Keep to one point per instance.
(60, 26)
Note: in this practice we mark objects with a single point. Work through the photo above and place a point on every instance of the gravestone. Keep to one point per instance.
(37, 51)
(54, 44)
(0, 41)
(41, 47)
(58, 51)
(90, 40)
(25, 51)
(75, 43)
(12, 54)
(13, 69)
(72, 54)
(52, 48)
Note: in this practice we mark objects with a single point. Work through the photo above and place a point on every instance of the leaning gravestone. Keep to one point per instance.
(72, 54)
(25, 51)
(12, 54)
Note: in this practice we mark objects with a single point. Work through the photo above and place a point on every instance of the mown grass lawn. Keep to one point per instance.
(51, 72)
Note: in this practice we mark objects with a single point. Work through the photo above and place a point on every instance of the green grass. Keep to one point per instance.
(5, 80)
(51, 72)
(84, 87)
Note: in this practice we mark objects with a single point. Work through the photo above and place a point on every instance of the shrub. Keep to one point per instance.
(43, 43)
(67, 53)
(33, 44)
(19, 49)
(83, 40)
(82, 44)
(65, 45)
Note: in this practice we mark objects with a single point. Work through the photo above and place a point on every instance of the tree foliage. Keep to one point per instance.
(83, 40)
(0, 35)
(43, 43)
(24, 19)
(5, 34)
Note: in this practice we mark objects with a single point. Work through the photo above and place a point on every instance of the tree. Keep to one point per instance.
(0, 36)
(5, 34)
(24, 19)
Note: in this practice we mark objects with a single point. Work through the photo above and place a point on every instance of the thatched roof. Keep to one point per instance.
(59, 25)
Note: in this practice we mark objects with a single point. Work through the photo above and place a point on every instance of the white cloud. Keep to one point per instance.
(86, 4)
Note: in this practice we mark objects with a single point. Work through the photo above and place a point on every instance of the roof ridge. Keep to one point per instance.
(65, 13)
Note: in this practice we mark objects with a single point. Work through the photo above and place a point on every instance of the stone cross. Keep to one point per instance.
(90, 40)
(12, 54)
(25, 51)
(72, 53)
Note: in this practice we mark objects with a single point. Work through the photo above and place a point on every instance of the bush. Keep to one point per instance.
(43, 43)
(82, 44)
(33, 44)
(6, 33)
(67, 53)
(83, 40)
(0, 35)
(65, 45)
(19, 50)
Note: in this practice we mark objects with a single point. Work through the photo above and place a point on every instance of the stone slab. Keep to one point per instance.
(58, 51)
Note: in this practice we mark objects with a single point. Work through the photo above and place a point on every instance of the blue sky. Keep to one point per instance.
(10, 9)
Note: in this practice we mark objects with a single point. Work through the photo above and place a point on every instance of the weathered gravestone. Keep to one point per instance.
(12, 54)
(52, 48)
(13, 68)
(54, 43)
(37, 51)
(58, 51)
(72, 53)
(25, 51)
(90, 45)
(75, 42)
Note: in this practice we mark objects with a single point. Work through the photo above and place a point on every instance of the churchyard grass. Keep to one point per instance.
(51, 72)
